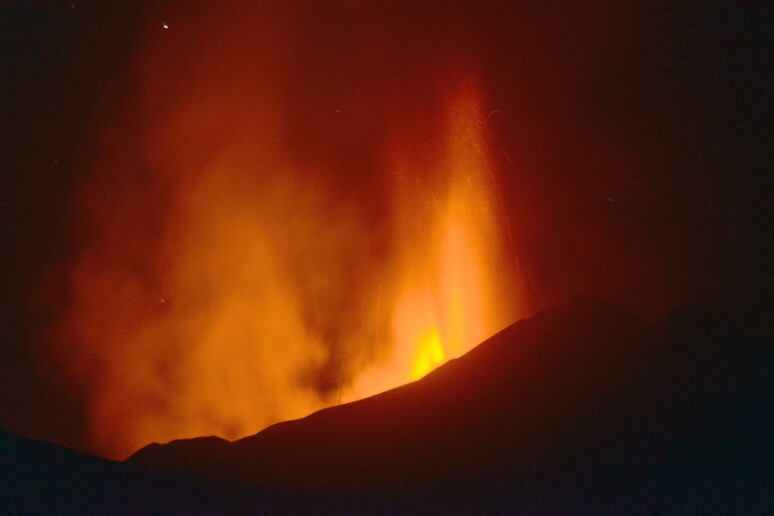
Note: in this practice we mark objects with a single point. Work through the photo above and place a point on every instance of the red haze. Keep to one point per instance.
(292, 207)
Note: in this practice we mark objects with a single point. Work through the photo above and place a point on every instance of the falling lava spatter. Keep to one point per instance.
(452, 288)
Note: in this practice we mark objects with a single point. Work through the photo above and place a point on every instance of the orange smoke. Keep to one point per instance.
(230, 278)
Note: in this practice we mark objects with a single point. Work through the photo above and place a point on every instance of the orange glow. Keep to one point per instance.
(233, 275)
(429, 354)
(452, 290)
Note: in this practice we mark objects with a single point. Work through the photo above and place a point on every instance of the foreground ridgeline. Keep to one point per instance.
(584, 408)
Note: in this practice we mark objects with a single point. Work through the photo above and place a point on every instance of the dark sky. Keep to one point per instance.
(641, 136)
(56, 62)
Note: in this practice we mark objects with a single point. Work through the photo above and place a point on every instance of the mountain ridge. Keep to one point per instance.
(584, 400)
(582, 408)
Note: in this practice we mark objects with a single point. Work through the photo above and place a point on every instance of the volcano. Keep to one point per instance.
(581, 408)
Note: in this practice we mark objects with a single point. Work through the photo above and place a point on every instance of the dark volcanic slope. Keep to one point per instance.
(37, 477)
(41, 478)
(581, 407)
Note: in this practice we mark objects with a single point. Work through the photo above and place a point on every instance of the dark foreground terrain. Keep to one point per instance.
(580, 409)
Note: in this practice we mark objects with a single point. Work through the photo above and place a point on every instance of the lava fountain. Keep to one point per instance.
(452, 274)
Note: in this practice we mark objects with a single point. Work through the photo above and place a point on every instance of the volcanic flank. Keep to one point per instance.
(581, 407)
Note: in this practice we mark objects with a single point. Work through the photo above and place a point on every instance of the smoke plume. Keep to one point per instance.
(288, 211)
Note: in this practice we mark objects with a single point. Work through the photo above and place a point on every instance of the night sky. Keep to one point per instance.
(633, 147)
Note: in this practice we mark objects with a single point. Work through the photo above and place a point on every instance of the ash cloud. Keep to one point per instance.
(271, 174)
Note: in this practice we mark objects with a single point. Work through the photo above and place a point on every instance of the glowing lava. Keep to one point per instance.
(453, 286)
(429, 354)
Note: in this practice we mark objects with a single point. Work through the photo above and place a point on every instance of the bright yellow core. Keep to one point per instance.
(429, 354)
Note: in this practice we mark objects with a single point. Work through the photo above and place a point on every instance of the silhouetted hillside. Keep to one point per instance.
(583, 408)
(39, 477)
